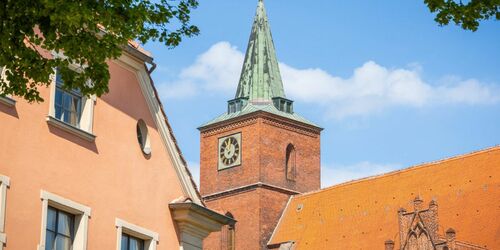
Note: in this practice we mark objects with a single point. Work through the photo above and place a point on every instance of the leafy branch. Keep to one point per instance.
(467, 15)
(87, 32)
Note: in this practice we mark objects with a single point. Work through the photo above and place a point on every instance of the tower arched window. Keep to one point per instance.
(291, 167)
(228, 235)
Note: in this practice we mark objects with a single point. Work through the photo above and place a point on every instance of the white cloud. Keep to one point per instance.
(338, 173)
(470, 92)
(372, 88)
(216, 70)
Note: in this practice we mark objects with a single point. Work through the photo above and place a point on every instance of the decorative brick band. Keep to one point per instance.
(291, 127)
(248, 188)
(231, 126)
(268, 118)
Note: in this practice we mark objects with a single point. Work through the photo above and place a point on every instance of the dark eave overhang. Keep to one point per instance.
(138, 54)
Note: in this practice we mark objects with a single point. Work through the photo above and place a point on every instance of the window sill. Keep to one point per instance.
(70, 129)
(7, 101)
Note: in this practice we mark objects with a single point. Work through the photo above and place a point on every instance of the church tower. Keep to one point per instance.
(258, 153)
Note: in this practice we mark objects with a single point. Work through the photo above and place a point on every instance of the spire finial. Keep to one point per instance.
(260, 78)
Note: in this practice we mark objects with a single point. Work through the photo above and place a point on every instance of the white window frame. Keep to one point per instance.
(6, 100)
(81, 212)
(150, 238)
(85, 129)
(4, 184)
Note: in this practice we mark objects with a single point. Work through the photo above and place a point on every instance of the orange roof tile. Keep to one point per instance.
(362, 214)
(139, 48)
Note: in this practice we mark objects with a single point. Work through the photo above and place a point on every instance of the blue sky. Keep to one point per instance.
(391, 88)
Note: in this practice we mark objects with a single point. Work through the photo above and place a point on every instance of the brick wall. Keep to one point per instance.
(264, 143)
(257, 209)
(273, 204)
(245, 209)
(212, 180)
(273, 144)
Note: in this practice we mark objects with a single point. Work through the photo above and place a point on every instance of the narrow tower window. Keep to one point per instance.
(227, 235)
(290, 162)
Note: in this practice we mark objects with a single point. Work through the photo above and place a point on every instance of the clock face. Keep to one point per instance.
(229, 151)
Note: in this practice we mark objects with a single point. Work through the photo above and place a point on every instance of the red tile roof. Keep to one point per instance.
(362, 214)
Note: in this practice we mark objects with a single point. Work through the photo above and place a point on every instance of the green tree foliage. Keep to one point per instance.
(88, 32)
(467, 14)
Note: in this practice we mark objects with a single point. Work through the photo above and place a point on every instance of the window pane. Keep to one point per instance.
(68, 107)
(141, 246)
(135, 244)
(75, 110)
(59, 81)
(124, 242)
(66, 101)
(64, 224)
(63, 243)
(78, 105)
(66, 116)
(59, 112)
(74, 104)
(73, 119)
(49, 240)
(51, 219)
(59, 95)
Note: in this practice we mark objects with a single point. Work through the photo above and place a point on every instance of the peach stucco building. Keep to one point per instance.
(97, 173)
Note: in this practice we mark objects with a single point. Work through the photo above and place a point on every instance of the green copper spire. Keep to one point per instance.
(260, 88)
(260, 79)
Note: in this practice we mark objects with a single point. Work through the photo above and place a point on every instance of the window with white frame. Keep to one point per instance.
(133, 237)
(70, 110)
(60, 230)
(64, 223)
(4, 184)
(130, 242)
(67, 103)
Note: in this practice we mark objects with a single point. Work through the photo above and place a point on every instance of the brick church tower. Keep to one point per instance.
(258, 153)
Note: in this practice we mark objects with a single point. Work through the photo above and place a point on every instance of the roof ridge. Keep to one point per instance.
(410, 168)
(174, 140)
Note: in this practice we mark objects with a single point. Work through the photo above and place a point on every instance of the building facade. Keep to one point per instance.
(81, 172)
